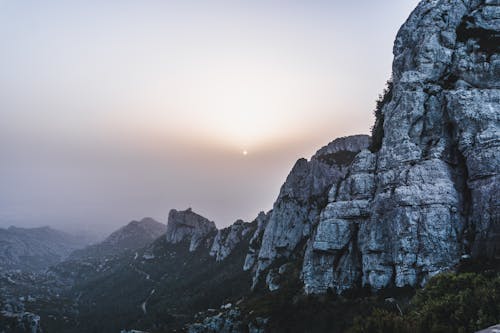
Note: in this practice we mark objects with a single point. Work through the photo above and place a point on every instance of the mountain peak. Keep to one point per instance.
(353, 144)
(131, 236)
(187, 224)
(147, 226)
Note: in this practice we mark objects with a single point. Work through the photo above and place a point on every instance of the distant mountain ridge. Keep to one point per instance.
(193, 265)
(35, 249)
(132, 236)
(353, 228)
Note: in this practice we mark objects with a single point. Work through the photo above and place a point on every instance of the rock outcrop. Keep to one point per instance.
(256, 241)
(302, 197)
(228, 238)
(429, 195)
(418, 199)
(228, 319)
(187, 225)
(415, 200)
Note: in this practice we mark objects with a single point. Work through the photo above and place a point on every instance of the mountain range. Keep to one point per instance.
(35, 248)
(394, 232)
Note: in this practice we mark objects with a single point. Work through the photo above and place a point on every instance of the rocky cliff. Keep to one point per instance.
(423, 197)
(187, 225)
(227, 239)
(429, 196)
(363, 214)
(301, 199)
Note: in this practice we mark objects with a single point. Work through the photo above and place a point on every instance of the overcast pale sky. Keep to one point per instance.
(115, 110)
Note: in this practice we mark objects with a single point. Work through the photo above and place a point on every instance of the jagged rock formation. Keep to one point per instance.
(256, 241)
(187, 225)
(36, 248)
(132, 236)
(228, 238)
(301, 199)
(166, 282)
(424, 197)
(389, 213)
(230, 319)
(429, 195)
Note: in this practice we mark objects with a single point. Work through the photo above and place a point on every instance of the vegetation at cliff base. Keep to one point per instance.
(377, 131)
(450, 302)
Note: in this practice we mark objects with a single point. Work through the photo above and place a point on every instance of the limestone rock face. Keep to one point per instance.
(430, 194)
(302, 196)
(187, 225)
(256, 241)
(227, 239)
(418, 200)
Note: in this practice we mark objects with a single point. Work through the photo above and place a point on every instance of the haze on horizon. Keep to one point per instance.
(115, 110)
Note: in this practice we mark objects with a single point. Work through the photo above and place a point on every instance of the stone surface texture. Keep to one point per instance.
(226, 239)
(396, 214)
(430, 194)
(304, 193)
(187, 225)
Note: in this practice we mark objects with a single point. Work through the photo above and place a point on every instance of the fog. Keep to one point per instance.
(112, 111)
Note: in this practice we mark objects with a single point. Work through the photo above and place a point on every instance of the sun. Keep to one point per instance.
(245, 153)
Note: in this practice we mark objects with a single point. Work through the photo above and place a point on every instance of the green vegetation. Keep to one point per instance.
(450, 302)
(378, 127)
(184, 283)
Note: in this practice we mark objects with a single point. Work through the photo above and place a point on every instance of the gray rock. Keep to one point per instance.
(428, 197)
(256, 241)
(227, 239)
(187, 225)
(229, 321)
(492, 329)
(302, 196)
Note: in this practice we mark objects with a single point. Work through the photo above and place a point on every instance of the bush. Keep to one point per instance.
(450, 302)
(380, 321)
(457, 302)
(378, 128)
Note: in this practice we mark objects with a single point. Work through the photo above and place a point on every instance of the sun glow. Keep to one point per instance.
(245, 102)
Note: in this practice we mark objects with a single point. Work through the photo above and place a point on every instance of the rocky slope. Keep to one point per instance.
(423, 198)
(188, 225)
(35, 249)
(227, 239)
(301, 199)
(162, 285)
(132, 236)
(361, 216)
(428, 197)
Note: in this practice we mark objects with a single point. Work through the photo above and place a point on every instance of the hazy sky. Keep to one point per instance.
(115, 110)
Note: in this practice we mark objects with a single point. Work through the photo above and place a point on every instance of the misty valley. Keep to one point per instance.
(396, 231)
